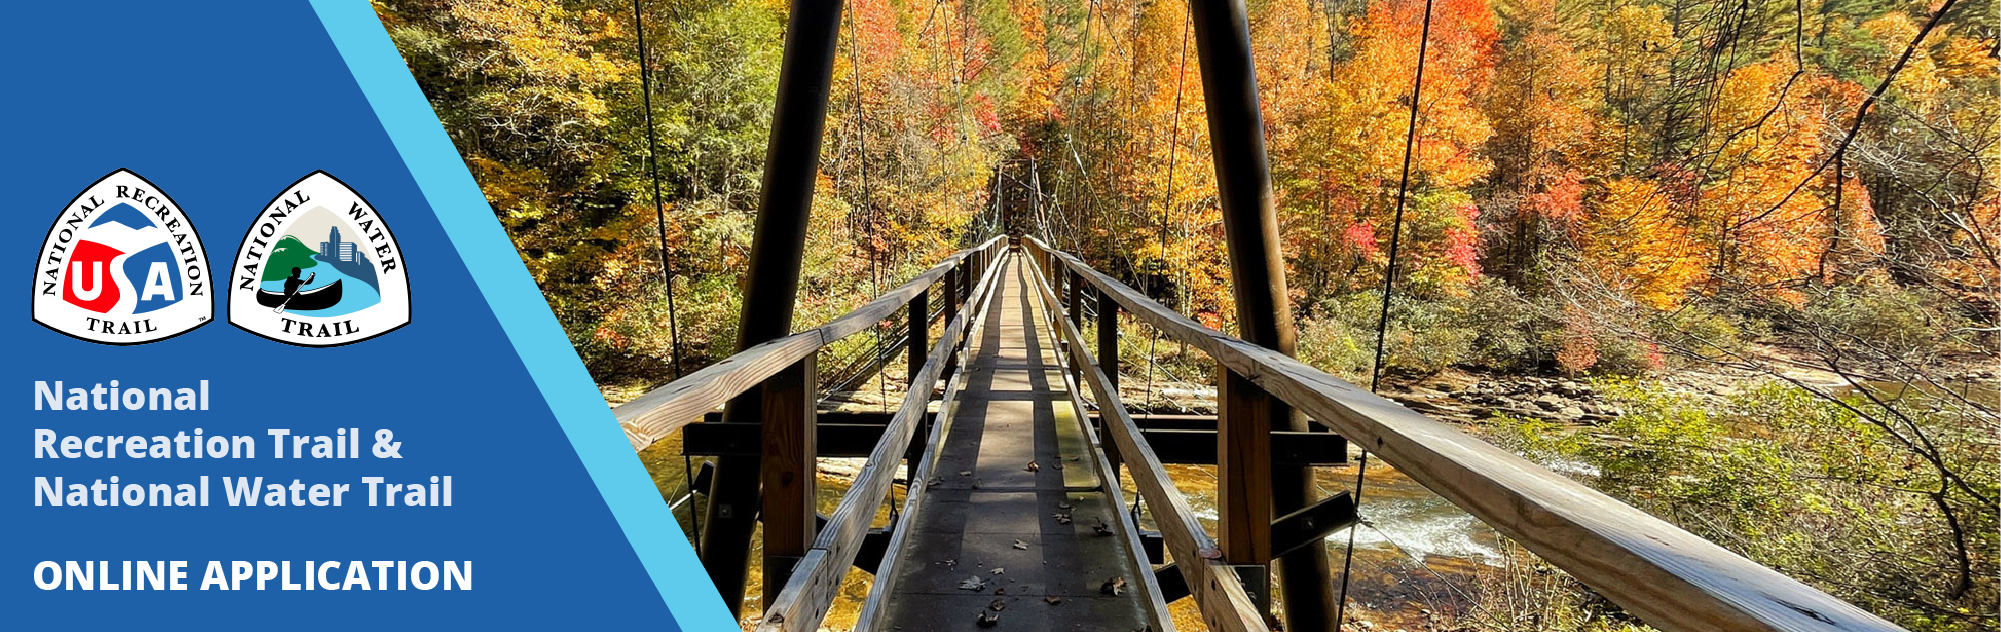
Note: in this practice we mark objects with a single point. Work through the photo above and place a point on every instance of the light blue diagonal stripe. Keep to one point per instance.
(463, 210)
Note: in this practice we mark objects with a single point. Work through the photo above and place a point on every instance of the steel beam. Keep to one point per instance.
(791, 168)
(1198, 447)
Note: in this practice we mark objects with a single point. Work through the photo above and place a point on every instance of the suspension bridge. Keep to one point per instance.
(1011, 437)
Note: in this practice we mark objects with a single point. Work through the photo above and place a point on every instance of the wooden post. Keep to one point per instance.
(1077, 320)
(788, 471)
(1243, 469)
(1108, 359)
(920, 332)
(956, 281)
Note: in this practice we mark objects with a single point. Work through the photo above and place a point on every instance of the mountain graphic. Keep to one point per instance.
(290, 253)
(124, 214)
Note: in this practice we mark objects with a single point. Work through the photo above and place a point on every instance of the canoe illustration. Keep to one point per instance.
(306, 300)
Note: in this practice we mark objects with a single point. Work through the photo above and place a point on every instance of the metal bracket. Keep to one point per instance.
(1308, 526)
(1257, 583)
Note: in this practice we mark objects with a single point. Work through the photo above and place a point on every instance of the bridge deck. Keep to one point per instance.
(990, 520)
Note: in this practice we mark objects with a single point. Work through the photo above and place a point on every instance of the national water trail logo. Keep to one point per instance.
(319, 268)
(122, 266)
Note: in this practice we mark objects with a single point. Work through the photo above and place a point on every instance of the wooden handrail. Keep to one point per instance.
(1672, 579)
(663, 410)
(816, 579)
(1226, 606)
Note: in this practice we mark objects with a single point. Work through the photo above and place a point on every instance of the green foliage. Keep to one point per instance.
(1425, 337)
(1890, 319)
(1804, 484)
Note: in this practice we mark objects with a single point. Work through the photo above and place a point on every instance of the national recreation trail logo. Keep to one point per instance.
(319, 268)
(122, 266)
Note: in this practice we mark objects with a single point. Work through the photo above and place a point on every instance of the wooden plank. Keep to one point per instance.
(681, 402)
(1670, 578)
(816, 580)
(1218, 593)
(788, 472)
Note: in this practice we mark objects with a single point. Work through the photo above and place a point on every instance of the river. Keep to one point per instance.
(356, 294)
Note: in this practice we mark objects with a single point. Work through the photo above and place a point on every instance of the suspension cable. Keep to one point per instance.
(1167, 203)
(1389, 285)
(653, 167)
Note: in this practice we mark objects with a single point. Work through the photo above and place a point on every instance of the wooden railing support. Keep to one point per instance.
(1108, 359)
(920, 333)
(1243, 469)
(955, 283)
(1076, 300)
(788, 470)
(955, 289)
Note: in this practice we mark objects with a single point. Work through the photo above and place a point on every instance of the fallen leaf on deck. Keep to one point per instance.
(988, 619)
(1063, 518)
(1020, 545)
(998, 570)
(1032, 467)
(1101, 527)
(1114, 586)
(973, 583)
(1053, 600)
(1064, 505)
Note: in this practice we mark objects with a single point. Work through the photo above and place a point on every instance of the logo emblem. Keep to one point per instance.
(319, 268)
(122, 266)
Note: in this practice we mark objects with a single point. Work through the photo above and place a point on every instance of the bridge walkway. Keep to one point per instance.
(1013, 461)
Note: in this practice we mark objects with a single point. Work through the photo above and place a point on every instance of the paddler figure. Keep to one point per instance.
(292, 284)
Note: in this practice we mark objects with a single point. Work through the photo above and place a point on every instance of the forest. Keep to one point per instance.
(1735, 262)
